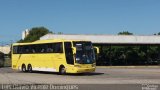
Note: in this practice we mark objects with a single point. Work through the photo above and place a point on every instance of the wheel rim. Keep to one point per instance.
(62, 70)
(23, 68)
(30, 68)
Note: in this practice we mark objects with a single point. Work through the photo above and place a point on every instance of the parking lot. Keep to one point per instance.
(125, 76)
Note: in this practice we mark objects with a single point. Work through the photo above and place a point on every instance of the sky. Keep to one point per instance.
(140, 17)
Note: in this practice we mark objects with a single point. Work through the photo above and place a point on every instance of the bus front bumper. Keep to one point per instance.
(80, 70)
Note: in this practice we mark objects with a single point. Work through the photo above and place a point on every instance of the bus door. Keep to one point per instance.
(69, 53)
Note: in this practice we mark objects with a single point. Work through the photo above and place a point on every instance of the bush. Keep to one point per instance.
(1, 59)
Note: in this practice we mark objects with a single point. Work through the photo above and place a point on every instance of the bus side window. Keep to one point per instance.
(49, 48)
(15, 50)
(20, 50)
(42, 48)
(26, 49)
(38, 48)
(33, 49)
(57, 48)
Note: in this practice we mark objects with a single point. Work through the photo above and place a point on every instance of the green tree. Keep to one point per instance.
(156, 33)
(35, 33)
(125, 33)
(60, 32)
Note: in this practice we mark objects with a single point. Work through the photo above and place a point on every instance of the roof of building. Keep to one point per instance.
(107, 39)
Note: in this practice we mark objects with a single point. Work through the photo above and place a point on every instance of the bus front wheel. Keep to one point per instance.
(62, 70)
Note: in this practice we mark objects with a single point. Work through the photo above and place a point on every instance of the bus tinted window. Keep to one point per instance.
(49, 48)
(15, 49)
(38, 48)
(33, 48)
(57, 48)
(20, 50)
(26, 49)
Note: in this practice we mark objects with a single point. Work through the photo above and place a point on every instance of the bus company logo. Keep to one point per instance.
(149, 87)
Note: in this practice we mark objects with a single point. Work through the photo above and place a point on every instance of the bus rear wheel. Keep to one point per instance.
(23, 68)
(30, 68)
(62, 70)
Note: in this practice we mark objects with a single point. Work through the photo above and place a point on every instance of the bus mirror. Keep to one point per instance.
(74, 50)
(96, 50)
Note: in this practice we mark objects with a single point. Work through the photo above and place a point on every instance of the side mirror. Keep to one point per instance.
(96, 50)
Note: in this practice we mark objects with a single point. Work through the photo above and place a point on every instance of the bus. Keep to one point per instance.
(62, 56)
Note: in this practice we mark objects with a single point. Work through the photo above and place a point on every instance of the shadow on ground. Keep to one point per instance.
(68, 74)
(9, 70)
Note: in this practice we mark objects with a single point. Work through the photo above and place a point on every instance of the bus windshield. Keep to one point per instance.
(84, 53)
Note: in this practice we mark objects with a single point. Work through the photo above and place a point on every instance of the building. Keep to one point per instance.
(120, 49)
(5, 49)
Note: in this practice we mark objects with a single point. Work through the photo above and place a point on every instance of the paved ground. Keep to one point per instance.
(110, 76)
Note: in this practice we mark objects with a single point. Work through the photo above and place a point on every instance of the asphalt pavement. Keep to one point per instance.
(103, 78)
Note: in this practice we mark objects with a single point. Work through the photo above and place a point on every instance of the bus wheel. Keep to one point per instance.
(23, 68)
(30, 68)
(62, 70)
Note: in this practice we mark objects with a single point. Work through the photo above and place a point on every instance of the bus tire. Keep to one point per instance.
(23, 68)
(29, 68)
(62, 70)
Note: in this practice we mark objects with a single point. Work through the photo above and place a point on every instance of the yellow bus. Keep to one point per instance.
(63, 56)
